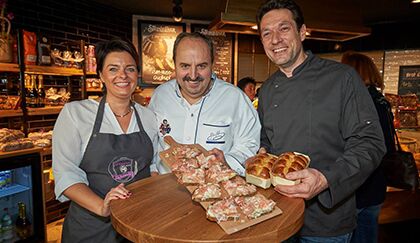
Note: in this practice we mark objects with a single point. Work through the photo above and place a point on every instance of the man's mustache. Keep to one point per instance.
(197, 79)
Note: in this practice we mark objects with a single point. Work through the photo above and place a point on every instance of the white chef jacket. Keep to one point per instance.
(72, 132)
(224, 118)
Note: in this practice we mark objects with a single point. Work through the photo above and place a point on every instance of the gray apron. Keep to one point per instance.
(109, 160)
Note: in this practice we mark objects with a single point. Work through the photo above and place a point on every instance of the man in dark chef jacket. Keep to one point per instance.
(99, 146)
(320, 108)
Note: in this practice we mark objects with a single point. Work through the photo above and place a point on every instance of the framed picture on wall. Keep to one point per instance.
(222, 43)
(409, 80)
(156, 41)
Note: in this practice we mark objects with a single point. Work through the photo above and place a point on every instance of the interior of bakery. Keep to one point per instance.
(67, 32)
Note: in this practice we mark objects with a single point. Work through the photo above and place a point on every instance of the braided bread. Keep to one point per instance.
(258, 169)
(285, 163)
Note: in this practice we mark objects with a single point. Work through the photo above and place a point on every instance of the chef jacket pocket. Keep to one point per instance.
(216, 133)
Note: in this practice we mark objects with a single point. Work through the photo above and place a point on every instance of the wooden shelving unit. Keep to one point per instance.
(9, 67)
(51, 70)
(48, 110)
(11, 113)
(94, 90)
(19, 152)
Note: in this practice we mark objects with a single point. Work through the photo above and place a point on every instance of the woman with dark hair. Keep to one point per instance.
(371, 194)
(101, 146)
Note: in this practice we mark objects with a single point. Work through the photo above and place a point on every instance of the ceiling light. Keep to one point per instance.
(254, 27)
(415, 1)
(177, 10)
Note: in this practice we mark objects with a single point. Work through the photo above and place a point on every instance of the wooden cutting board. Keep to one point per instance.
(229, 227)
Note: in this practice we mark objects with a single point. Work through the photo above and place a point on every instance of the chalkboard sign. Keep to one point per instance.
(409, 80)
(156, 41)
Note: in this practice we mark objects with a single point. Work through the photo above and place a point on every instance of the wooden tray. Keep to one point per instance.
(229, 227)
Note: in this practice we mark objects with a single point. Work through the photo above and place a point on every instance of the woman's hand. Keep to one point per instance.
(118, 192)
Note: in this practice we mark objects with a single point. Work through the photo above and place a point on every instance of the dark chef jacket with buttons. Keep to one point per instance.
(325, 111)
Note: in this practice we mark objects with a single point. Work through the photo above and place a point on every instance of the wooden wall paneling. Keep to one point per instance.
(261, 67)
(245, 67)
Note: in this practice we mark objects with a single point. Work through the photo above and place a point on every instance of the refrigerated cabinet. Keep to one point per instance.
(21, 182)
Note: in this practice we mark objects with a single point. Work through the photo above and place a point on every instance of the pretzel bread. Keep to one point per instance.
(285, 163)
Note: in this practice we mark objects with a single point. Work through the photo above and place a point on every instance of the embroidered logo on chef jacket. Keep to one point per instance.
(122, 169)
(165, 128)
(217, 137)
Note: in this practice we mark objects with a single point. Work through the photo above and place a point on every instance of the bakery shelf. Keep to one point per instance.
(11, 113)
(94, 90)
(19, 152)
(48, 110)
(47, 150)
(51, 70)
(9, 67)
(13, 189)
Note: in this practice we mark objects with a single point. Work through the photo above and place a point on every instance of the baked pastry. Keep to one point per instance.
(255, 206)
(223, 210)
(258, 169)
(207, 162)
(219, 173)
(206, 192)
(185, 152)
(238, 187)
(285, 163)
(192, 176)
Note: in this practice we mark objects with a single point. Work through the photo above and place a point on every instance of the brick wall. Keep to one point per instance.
(70, 20)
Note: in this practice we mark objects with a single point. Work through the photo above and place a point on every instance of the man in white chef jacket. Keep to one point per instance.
(196, 107)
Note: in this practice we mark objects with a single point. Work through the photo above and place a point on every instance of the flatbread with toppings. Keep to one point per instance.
(255, 206)
(238, 187)
(205, 192)
(223, 210)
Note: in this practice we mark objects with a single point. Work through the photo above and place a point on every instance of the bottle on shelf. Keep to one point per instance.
(27, 85)
(23, 225)
(41, 91)
(7, 178)
(32, 97)
(7, 225)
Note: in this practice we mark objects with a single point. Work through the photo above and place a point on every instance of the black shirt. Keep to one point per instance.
(325, 111)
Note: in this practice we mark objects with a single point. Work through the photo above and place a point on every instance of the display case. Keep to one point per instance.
(21, 198)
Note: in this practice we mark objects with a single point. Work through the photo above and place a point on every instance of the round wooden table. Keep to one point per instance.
(161, 210)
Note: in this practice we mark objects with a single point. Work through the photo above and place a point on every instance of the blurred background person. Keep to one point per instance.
(247, 85)
(371, 194)
(100, 146)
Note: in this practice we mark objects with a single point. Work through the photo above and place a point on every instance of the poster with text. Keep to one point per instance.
(409, 80)
(156, 41)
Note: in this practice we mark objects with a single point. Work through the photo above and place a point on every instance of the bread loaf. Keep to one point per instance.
(258, 169)
(285, 163)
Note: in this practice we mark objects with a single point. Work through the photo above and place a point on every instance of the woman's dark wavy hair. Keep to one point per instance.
(281, 4)
(103, 48)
